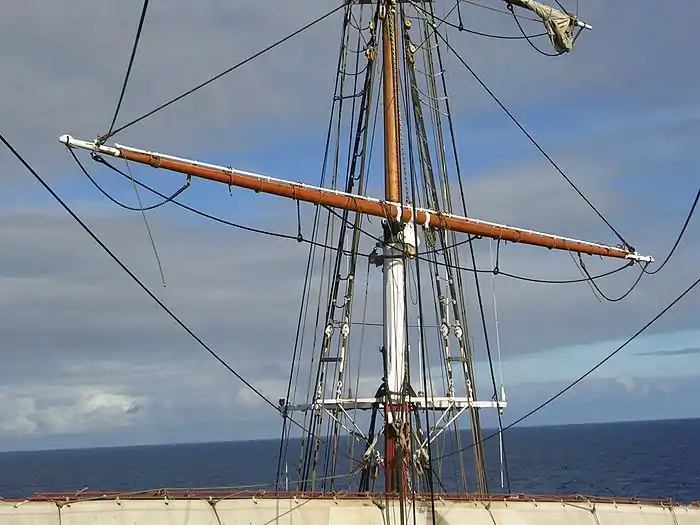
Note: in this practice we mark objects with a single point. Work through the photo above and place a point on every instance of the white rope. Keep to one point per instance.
(498, 350)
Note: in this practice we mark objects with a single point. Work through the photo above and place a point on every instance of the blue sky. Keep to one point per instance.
(90, 361)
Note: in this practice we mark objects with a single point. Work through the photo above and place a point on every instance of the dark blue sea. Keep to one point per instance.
(646, 459)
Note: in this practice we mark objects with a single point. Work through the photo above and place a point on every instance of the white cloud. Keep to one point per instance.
(627, 382)
(67, 411)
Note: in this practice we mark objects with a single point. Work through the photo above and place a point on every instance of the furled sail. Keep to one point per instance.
(559, 25)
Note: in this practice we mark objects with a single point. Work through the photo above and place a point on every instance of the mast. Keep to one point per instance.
(397, 245)
(395, 341)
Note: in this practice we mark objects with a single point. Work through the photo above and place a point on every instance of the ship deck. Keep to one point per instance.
(260, 507)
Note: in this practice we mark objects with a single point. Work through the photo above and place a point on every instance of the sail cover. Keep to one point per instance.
(560, 25)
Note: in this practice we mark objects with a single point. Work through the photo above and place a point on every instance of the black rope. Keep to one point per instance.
(165, 200)
(128, 69)
(223, 73)
(533, 141)
(500, 11)
(554, 281)
(600, 292)
(460, 27)
(497, 270)
(529, 41)
(201, 213)
(679, 238)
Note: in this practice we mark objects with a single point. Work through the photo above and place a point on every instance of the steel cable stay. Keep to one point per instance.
(682, 232)
(137, 39)
(460, 27)
(216, 77)
(428, 155)
(293, 379)
(440, 146)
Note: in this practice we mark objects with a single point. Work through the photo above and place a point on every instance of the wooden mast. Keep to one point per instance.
(394, 270)
(392, 189)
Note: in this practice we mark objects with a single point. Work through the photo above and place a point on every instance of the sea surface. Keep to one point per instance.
(646, 459)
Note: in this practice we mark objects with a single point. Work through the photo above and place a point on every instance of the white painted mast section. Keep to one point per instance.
(395, 341)
(394, 320)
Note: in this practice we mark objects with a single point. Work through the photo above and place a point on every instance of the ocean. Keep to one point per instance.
(657, 459)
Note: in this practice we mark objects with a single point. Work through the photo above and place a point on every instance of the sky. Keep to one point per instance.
(89, 360)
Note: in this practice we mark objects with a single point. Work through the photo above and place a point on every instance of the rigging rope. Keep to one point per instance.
(497, 270)
(220, 75)
(691, 212)
(140, 208)
(500, 11)
(529, 39)
(145, 221)
(115, 201)
(498, 355)
(460, 27)
(171, 199)
(306, 290)
(532, 140)
(423, 360)
(477, 435)
(600, 292)
(137, 39)
(454, 281)
(412, 176)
